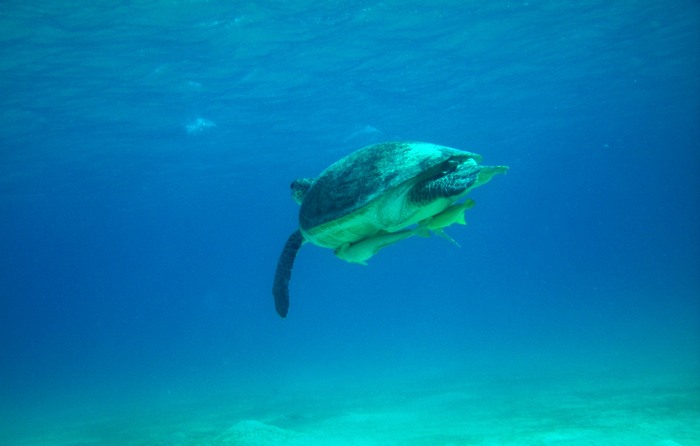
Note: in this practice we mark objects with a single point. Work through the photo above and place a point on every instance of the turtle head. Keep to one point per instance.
(300, 187)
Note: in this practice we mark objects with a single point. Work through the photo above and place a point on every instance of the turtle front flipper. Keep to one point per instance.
(283, 274)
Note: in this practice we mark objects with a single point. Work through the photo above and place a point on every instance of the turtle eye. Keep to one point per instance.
(450, 165)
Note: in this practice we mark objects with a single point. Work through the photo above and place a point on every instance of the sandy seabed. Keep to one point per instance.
(434, 411)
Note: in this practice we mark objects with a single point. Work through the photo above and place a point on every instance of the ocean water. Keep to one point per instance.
(146, 152)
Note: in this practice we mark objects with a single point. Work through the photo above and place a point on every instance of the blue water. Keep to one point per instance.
(146, 151)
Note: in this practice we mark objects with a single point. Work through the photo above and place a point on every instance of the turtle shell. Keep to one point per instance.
(357, 180)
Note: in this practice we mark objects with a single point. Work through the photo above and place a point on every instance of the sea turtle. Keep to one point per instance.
(377, 196)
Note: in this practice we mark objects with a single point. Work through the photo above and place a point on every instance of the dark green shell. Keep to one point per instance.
(356, 180)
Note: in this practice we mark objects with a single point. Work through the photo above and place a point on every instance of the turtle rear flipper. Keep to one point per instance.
(283, 274)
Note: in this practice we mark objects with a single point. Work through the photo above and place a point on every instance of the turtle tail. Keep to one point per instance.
(285, 264)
